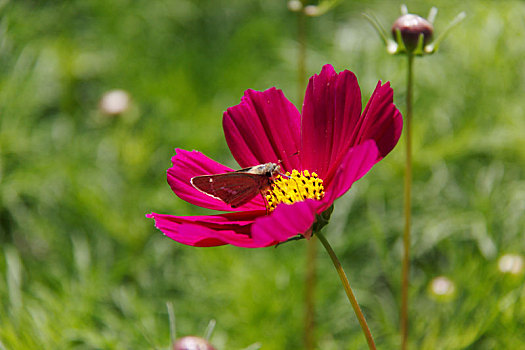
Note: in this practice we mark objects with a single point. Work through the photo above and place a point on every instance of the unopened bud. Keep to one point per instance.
(192, 343)
(411, 27)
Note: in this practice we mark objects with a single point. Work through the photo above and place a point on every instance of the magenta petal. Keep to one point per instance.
(381, 120)
(331, 111)
(189, 164)
(263, 128)
(210, 231)
(356, 163)
(170, 226)
(284, 222)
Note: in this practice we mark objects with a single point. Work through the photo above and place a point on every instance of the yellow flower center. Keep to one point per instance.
(294, 187)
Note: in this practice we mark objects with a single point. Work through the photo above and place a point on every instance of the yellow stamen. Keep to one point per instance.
(294, 187)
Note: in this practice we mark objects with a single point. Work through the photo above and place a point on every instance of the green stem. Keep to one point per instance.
(348, 290)
(407, 205)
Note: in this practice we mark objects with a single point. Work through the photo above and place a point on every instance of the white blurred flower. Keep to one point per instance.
(295, 5)
(114, 102)
(511, 263)
(192, 343)
(312, 10)
(442, 286)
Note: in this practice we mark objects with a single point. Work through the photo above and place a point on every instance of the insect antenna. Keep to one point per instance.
(280, 162)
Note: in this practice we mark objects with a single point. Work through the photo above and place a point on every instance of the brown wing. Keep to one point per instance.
(233, 188)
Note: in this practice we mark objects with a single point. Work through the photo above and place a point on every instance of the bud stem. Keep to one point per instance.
(348, 290)
(407, 204)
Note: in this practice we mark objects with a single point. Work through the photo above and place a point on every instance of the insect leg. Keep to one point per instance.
(266, 205)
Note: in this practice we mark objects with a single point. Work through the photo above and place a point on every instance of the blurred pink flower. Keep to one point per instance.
(331, 138)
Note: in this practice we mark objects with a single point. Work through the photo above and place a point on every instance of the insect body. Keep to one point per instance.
(237, 188)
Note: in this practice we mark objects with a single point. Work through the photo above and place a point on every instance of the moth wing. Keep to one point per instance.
(233, 188)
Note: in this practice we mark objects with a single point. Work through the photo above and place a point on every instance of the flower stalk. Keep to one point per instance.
(348, 290)
(407, 204)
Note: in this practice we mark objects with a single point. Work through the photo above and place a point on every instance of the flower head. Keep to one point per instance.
(324, 149)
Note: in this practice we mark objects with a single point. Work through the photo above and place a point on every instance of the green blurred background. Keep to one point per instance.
(82, 268)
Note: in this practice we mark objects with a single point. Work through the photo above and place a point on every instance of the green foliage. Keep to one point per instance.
(80, 265)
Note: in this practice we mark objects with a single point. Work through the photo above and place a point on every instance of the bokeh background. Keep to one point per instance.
(82, 268)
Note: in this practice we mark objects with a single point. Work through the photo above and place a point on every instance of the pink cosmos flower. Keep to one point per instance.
(331, 138)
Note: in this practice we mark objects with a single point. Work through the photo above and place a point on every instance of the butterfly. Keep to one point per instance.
(237, 188)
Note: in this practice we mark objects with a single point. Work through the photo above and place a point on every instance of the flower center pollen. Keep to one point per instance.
(294, 187)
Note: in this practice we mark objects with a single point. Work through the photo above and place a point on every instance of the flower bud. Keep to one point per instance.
(411, 27)
(192, 343)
